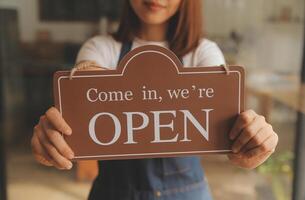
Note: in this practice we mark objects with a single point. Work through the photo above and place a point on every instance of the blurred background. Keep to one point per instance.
(39, 37)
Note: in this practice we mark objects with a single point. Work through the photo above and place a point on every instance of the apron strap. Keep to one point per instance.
(126, 47)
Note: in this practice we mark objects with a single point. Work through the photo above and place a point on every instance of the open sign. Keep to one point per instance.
(150, 106)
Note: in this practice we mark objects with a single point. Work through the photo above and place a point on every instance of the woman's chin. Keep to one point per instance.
(153, 19)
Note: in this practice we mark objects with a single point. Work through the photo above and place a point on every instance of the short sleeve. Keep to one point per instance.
(209, 54)
(100, 49)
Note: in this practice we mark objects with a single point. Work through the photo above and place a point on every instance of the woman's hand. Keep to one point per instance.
(254, 140)
(48, 144)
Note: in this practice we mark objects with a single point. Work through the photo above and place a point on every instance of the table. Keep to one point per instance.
(292, 97)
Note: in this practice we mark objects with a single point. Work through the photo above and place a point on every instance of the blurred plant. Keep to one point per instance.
(276, 168)
(280, 163)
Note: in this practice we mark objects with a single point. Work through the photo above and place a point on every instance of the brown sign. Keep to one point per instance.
(150, 106)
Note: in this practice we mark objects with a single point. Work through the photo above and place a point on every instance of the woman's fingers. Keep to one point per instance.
(57, 140)
(55, 118)
(260, 137)
(60, 161)
(247, 133)
(254, 138)
(39, 152)
(268, 146)
(243, 120)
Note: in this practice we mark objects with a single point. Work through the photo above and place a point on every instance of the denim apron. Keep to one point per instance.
(177, 178)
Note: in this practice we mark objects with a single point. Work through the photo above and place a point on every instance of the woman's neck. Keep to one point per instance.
(153, 32)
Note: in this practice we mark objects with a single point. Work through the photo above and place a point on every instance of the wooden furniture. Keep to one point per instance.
(292, 96)
(86, 170)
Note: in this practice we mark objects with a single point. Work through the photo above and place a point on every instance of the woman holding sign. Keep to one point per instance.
(174, 24)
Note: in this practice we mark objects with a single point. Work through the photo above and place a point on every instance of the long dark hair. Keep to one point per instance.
(184, 29)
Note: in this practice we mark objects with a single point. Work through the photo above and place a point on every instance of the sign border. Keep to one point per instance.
(179, 73)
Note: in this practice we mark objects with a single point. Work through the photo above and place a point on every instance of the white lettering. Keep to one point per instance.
(130, 126)
(117, 128)
(88, 95)
(158, 126)
(188, 116)
(93, 95)
(184, 93)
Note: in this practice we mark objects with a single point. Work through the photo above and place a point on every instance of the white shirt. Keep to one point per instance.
(105, 51)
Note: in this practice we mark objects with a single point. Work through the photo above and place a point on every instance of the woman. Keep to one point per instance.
(175, 24)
